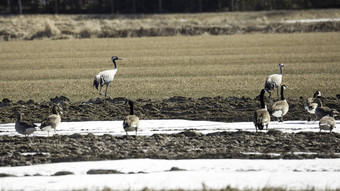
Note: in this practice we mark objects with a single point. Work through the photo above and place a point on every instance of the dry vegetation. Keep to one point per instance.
(29, 27)
(162, 67)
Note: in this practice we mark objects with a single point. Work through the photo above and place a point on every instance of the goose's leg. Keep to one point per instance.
(281, 117)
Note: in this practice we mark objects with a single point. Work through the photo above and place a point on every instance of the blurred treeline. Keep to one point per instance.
(155, 6)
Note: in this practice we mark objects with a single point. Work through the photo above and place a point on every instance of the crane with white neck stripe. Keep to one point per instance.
(105, 77)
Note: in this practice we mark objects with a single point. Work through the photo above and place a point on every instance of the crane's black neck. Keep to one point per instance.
(262, 99)
(131, 108)
(281, 70)
(114, 62)
(282, 96)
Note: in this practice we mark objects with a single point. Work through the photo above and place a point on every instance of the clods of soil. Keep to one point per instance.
(18, 150)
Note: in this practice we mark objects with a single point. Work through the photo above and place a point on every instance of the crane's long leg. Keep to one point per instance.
(100, 90)
(107, 85)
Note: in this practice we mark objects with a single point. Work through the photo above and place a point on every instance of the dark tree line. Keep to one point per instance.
(154, 6)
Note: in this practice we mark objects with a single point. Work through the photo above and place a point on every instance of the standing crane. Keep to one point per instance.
(105, 77)
(274, 81)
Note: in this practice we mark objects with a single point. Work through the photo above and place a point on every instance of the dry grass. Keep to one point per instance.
(28, 27)
(162, 67)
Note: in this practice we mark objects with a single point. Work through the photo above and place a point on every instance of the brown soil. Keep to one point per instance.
(185, 145)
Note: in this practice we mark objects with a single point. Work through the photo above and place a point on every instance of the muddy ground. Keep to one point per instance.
(185, 145)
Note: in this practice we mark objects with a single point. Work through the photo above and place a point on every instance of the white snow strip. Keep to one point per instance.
(313, 20)
(320, 174)
(150, 127)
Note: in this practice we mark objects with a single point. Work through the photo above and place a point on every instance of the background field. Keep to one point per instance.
(162, 67)
(31, 27)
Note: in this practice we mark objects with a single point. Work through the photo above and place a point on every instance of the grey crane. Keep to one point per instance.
(274, 81)
(105, 77)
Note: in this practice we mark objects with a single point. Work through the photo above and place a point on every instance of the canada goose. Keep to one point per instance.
(105, 77)
(24, 127)
(322, 111)
(261, 116)
(312, 103)
(280, 108)
(131, 122)
(328, 122)
(52, 121)
(273, 81)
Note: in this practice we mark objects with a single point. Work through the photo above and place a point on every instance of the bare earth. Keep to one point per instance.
(185, 145)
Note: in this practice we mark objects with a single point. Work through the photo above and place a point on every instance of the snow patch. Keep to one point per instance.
(313, 20)
(213, 173)
(320, 174)
(150, 127)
